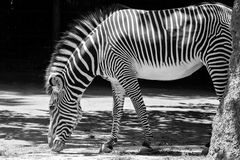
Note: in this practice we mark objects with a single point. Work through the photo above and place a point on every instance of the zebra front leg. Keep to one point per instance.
(118, 102)
(131, 86)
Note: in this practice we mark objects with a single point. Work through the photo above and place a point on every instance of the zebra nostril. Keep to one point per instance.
(58, 145)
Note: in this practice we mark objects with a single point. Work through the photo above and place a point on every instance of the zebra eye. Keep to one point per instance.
(51, 107)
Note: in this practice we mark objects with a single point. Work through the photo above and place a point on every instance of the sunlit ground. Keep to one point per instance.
(180, 120)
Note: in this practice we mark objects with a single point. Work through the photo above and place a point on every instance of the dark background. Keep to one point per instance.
(29, 29)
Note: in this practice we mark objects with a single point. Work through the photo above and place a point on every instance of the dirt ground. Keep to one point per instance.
(180, 120)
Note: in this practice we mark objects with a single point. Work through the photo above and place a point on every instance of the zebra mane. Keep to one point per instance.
(72, 38)
(217, 3)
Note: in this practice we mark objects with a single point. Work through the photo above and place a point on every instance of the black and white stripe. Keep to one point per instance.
(129, 44)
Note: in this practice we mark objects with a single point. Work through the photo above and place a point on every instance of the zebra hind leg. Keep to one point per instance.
(218, 69)
(118, 102)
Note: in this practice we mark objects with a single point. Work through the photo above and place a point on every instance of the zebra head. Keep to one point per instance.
(65, 112)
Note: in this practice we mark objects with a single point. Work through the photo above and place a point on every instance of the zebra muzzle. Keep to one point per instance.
(56, 145)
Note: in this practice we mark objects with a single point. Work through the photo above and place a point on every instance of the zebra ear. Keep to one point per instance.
(55, 80)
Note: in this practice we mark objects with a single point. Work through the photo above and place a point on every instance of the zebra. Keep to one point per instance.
(128, 44)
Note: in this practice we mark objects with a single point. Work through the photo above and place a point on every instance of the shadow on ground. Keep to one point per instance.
(174, 126)
(169, 127)
(20, 127)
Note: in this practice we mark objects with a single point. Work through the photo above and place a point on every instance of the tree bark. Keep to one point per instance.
(225, 141)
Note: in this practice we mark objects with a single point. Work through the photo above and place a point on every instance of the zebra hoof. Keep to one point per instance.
(148, 151)
(105, 148)
(205, 151)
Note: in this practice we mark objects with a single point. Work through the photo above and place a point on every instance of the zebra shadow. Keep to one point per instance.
(174, 130)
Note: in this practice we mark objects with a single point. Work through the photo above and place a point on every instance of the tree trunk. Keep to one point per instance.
(225, 141)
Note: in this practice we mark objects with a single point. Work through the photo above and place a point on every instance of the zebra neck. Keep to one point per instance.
(81, 67)
(77, 83)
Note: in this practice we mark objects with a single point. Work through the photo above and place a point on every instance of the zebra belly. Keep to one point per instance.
(167, 73)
